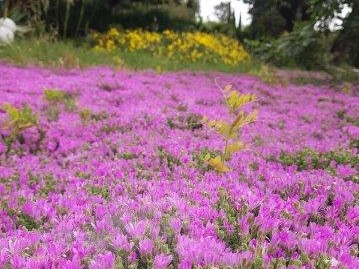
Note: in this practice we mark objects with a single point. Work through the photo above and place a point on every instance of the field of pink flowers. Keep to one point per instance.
(113, 176)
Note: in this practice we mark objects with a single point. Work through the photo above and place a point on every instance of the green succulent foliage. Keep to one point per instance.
(27, 221)
(185, 122)
(199, 158)
(353, 120)
(83, 175)
(354, 143)
(323, 262)
(193, 122)
(166, 158)
(233, 239)
(102, 191)
(128, 155)
(310, 159)
(50, 183)
(52, 113)
(56, 97)
(85, 115)
(20, 119)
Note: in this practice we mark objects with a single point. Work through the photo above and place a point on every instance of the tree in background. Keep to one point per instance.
(155, 15)
(270, 18)
(226, 23)
(347, 41)
(223, 12)
(71, 18)
(345, 45)
(300, 31)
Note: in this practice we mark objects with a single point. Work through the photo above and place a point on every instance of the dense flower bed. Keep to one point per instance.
(110, 174)
(186, 46)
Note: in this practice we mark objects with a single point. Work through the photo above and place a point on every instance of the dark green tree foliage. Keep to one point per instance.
(326, 11)
(302, 32)
(74, 18)
(155, 15)
(346, 44)
(293, 11)
(270, 18)
(266, 20)
(226, 23)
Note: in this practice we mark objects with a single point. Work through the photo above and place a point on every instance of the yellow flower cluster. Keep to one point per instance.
(186, 46)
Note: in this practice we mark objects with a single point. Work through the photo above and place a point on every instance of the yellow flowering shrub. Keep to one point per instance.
(185, 46)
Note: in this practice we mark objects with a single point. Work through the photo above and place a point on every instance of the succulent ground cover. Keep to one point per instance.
(106, 169)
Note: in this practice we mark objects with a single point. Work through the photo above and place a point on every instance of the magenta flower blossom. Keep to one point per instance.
(162, 261)
(145, 247)
(106, 260)
(137, 230)
(120, 242)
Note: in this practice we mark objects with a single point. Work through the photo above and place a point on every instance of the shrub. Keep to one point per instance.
(185, 46)
(304, 47)
(18, 121)
(55, 99)
(229, 131)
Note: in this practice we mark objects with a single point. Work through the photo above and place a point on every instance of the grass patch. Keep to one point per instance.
(78, 54)
(53, 54)
(309, 159)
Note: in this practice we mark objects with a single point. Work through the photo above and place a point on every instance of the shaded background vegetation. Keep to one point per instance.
(289, 33)
(304, 30)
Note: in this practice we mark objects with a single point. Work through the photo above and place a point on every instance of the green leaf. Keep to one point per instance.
(236, 100)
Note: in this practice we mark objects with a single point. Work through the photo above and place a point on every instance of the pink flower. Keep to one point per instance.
(2, 148)
(137, 230)
(103, 261)
(185, 264)
(145, 247)
(162, 261)
(121, 243)
(345, 171)
(176, 225)
(74, 264)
